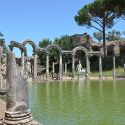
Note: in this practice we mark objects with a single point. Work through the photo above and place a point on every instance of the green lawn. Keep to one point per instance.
(108, 73)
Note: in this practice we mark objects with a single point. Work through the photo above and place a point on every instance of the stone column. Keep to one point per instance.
(73, 66)
(65, 69)
(35, 65)
(53, 69)
(17, 104)
(22, 60)
(100, 66)
(60, 66)
(87, 66)
(114, 71)
(47, 66)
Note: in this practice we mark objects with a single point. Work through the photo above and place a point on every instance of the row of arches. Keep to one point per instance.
(46, 50)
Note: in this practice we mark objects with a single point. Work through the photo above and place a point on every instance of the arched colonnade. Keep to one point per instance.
(46, 50)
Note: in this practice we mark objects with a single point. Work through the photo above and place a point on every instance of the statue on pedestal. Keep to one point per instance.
(81, 70)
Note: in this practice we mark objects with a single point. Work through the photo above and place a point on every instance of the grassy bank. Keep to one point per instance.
(108, 73)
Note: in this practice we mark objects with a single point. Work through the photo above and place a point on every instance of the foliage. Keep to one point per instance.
(96, 15)
(117, 6)
(65, 42)
(107, 63)
(98, 36)
(2, 42)
(113, 35)
(43, 44)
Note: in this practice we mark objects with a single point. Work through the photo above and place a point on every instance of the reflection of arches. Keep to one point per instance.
(47, 59)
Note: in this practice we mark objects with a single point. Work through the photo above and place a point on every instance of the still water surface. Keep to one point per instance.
(78, 102)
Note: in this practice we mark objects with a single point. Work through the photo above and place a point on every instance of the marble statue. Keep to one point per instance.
(80, 68)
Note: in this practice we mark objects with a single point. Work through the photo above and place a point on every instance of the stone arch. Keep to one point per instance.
(47, 59)
(28, 41)
(17, 45)
(53, 46)
(87, 60)
(79, 48)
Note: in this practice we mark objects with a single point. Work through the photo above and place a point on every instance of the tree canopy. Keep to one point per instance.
(113, 35)
(98, 36)
(117, 6)
(44, 43)
(98, 16)
(65, 42)
(2, 42)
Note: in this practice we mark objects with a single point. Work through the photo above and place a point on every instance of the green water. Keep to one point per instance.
(78, 102)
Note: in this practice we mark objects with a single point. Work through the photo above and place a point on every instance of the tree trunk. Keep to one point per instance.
(104, 44)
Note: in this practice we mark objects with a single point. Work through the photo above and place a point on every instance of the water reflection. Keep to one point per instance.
(79, 102)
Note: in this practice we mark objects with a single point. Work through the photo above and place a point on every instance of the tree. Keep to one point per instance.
(65, 42)
(98, 36)
(2, 42)
(113, 35)
(117, 6)
(96, 15)
(43, 44)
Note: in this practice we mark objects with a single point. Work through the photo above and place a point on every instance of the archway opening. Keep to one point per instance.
(29, 59)
(54, 60)
(80, 60)
(17, 52)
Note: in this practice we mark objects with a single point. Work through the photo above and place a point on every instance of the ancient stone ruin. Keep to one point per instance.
(17, 104)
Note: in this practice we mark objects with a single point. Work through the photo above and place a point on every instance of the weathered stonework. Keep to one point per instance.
(17, 104)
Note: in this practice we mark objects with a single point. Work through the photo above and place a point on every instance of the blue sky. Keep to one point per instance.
(38, 19)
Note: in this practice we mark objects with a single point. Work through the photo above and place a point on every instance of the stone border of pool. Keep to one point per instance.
(76, 78)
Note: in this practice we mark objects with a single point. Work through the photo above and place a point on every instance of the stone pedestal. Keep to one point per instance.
(17, 104)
